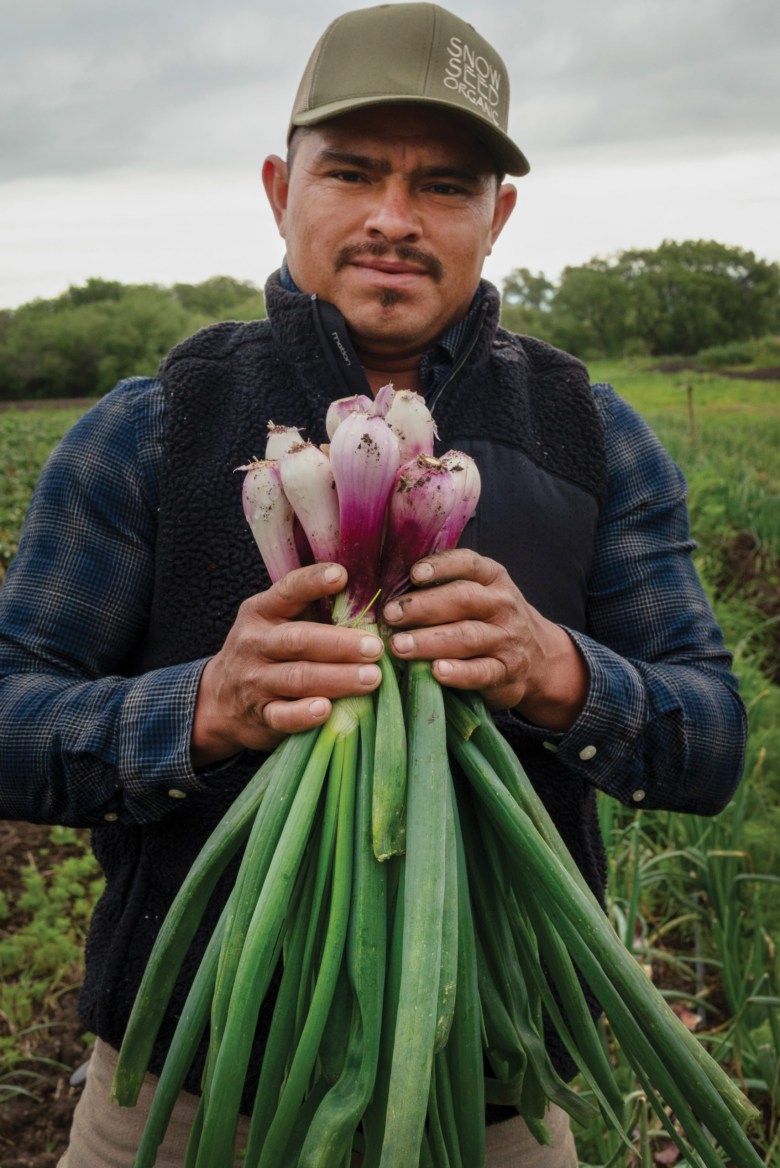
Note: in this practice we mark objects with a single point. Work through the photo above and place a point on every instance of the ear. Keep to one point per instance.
(276, 188)
(506, 197)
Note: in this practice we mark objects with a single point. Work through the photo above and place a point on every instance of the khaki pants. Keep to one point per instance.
(106, 1136)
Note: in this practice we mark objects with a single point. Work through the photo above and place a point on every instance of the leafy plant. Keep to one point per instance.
(42, 954)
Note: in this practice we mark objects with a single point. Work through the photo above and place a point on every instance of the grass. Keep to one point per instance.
(696, 899)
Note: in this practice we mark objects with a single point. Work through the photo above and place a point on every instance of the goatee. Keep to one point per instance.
(388, 297)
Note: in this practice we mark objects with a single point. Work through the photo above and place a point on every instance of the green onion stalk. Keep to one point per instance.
(402, 876)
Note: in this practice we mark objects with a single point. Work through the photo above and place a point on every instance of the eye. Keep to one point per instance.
(348, 176)
(449, 188)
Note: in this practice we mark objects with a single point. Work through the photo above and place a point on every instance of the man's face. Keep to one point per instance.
(389, 213)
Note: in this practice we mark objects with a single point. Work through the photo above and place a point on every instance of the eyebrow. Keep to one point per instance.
(359, 161)
(383, 166)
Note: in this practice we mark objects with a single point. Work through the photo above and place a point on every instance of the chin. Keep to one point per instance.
(390, 318)
(388, 331)
(391, 308)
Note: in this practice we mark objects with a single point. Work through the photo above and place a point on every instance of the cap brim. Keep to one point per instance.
(509, 158)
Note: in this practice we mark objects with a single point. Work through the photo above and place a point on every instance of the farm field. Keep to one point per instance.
(696, 900)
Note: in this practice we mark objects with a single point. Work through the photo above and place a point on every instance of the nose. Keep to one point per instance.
(392, 214)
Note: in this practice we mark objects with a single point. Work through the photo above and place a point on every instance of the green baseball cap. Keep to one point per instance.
(410, 53)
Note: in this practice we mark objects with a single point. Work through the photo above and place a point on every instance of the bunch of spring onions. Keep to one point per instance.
(400, 871)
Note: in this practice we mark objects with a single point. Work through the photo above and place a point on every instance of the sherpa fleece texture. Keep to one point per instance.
(523, 408)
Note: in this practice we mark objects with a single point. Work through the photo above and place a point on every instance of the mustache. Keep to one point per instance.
(404, 252)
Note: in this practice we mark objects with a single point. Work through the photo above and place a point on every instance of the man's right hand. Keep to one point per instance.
(277, 674)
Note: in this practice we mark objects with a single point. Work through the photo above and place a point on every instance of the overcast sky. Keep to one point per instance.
(132, 135)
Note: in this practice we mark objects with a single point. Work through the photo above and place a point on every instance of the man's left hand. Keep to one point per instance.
(471, 621)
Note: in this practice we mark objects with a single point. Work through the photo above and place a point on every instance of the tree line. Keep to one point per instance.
(674, 300)
(81, 343)
(677, 299)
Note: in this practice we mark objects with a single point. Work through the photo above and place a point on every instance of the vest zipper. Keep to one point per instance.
(331, 329)
(463, 356)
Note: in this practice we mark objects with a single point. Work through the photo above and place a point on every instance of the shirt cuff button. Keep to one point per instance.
(551, 747)
(587, 753)
(638, 796)
(175, 793)
(111, 817)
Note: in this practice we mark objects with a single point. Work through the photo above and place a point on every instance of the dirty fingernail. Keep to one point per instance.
(422, 571)
(331, 574)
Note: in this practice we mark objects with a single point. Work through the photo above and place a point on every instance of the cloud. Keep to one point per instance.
(100, 99)
(90, 86)
(657, 71)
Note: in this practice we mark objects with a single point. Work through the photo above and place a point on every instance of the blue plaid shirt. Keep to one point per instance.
(82, 742)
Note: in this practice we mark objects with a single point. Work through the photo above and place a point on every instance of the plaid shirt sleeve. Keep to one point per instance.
(663, 725)
(82, 742)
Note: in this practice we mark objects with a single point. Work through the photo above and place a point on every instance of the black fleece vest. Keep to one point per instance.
(522, 408)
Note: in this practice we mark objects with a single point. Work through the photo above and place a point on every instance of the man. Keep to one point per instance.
(145, 659)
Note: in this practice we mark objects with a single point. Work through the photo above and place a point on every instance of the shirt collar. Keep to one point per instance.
(439, 358)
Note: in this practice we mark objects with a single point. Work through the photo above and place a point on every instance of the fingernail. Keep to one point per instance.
(422, 571)
(370, 646)
(369, 674)
(403, 642)
(444, 668)
(318, 708)
(331, 574)
(393, 611)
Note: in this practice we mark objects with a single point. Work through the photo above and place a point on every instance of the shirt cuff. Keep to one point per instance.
(602, 745)
(155, 764)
